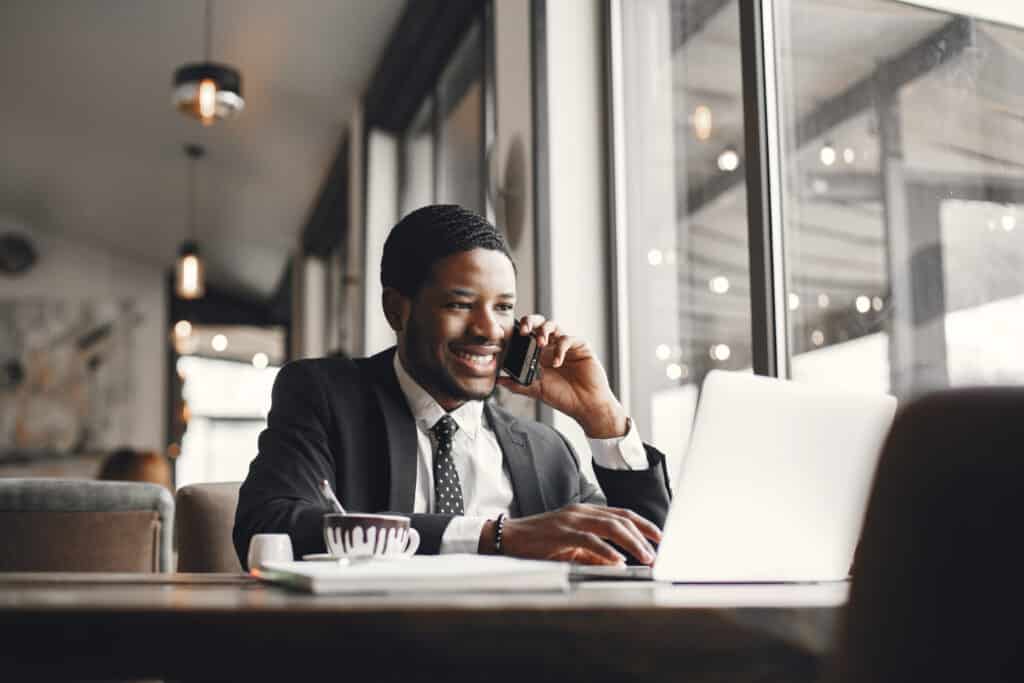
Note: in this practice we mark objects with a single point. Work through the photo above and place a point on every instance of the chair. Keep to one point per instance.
(205, 515)
(78, 525)
(936, 582)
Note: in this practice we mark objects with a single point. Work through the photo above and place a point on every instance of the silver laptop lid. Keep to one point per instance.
(775, 481)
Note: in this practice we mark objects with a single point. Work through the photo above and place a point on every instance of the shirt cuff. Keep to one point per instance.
(620, 452)
(462, 535)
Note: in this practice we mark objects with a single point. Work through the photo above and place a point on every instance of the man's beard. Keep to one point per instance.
(437, 378)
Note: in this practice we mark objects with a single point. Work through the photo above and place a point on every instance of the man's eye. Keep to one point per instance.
(505, 308)
(459, 305)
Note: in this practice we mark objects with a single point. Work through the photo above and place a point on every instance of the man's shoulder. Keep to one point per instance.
(338, 371)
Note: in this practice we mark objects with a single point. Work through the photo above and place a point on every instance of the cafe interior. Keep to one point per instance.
(195, 193)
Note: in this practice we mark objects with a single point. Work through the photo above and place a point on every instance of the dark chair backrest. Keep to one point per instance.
(205, 515)
(80, 525)
(936, 583)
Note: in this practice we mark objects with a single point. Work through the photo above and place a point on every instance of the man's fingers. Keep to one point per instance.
(562, 346)
(597, 549)
(620, 531)
(645, 526)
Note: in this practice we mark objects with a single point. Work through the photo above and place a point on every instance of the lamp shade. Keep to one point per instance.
(208, 91)
(189, 276)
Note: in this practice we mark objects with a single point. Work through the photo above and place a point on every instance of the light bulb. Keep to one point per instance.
(728, 160)
(823, 300)
(662, 352)
(219, 342)
(702, 122)
(817, 337)
(849, 156)
(260, 360)
(794, 301)
(719, 284)
(827, 154)
(863, 304)
(207, 100)
(182, 328)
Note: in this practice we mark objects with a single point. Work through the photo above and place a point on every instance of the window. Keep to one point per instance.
(682, 221)
(442, 149)
(225, 397)
(903, 195)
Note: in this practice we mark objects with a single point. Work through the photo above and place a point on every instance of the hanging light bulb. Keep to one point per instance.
(190, 278)
(827, 154)
(208, 91)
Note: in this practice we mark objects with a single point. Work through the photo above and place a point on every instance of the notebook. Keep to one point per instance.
(421, 573)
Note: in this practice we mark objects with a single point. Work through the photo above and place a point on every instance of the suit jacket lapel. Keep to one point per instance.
(521, 468)
(401, 433)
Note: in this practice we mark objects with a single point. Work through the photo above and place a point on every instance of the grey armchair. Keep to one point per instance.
(85, 525)
(204, 517)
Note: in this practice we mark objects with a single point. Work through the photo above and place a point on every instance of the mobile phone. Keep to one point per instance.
(521, 357)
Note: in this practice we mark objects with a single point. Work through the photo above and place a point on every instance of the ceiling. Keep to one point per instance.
(92, 148)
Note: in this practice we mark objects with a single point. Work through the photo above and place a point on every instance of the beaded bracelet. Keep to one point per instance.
(499, 528)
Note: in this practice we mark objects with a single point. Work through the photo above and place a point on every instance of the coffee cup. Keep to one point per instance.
(356, 535)
(267, 548)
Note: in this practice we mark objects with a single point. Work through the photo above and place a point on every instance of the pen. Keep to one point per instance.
(325, 489)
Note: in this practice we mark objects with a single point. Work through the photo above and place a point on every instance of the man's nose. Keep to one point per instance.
(485, 323)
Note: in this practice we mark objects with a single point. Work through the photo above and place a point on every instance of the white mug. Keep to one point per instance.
(269, 548)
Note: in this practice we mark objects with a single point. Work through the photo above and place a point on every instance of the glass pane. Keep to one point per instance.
(461, 146)
(688, 293)
(903, 158)
(418, 160)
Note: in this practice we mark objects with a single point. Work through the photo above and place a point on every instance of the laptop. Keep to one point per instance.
(773, 487)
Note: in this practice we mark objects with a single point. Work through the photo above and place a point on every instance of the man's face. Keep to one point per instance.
(453, 340)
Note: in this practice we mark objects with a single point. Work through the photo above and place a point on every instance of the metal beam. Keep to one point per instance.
(932, 51)
(690, 18)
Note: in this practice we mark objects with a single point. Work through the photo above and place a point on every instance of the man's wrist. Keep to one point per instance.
(486, 544)
(614, 423)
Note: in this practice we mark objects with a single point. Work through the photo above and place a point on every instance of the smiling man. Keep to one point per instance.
(412, 430)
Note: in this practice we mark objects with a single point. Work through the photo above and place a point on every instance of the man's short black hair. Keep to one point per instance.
(428, 235)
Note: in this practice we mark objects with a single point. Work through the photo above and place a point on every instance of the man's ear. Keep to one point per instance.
(397, 308)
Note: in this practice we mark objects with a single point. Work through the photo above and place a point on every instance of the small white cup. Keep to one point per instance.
(269, 548)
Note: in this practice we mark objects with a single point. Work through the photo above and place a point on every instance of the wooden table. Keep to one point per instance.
(219, 627)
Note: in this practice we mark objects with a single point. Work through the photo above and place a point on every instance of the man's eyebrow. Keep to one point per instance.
(469, 293)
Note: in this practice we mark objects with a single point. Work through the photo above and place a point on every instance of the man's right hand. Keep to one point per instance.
(576, 533)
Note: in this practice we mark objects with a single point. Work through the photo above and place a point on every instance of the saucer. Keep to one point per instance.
(324, 557)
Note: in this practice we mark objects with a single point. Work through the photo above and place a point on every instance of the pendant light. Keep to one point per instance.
(206, 90)
(189, 276)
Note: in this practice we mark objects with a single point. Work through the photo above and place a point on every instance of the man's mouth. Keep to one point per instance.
(481, 360)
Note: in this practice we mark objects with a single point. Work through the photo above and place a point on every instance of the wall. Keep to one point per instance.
(381, 215)
(76, 272)
(581, 285)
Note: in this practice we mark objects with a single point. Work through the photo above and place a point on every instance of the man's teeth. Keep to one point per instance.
(473, 358)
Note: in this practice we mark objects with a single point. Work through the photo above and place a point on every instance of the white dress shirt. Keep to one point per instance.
(486, 485)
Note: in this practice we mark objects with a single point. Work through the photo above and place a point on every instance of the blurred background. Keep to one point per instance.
(170, 237)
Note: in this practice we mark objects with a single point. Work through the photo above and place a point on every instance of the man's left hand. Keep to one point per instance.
(571, 380)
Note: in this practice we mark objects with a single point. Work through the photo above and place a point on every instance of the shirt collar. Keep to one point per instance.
(426, 411)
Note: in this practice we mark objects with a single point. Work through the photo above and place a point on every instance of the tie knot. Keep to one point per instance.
(444, 428)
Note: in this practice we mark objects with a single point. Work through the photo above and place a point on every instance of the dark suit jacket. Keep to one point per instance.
(347, 421)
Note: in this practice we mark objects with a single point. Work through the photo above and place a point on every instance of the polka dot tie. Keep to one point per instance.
(447, 488)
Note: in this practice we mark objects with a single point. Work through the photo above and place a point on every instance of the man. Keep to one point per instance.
(410, 430)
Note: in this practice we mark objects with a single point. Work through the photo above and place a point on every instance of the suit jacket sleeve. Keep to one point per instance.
(281, 493)
(645, 492)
